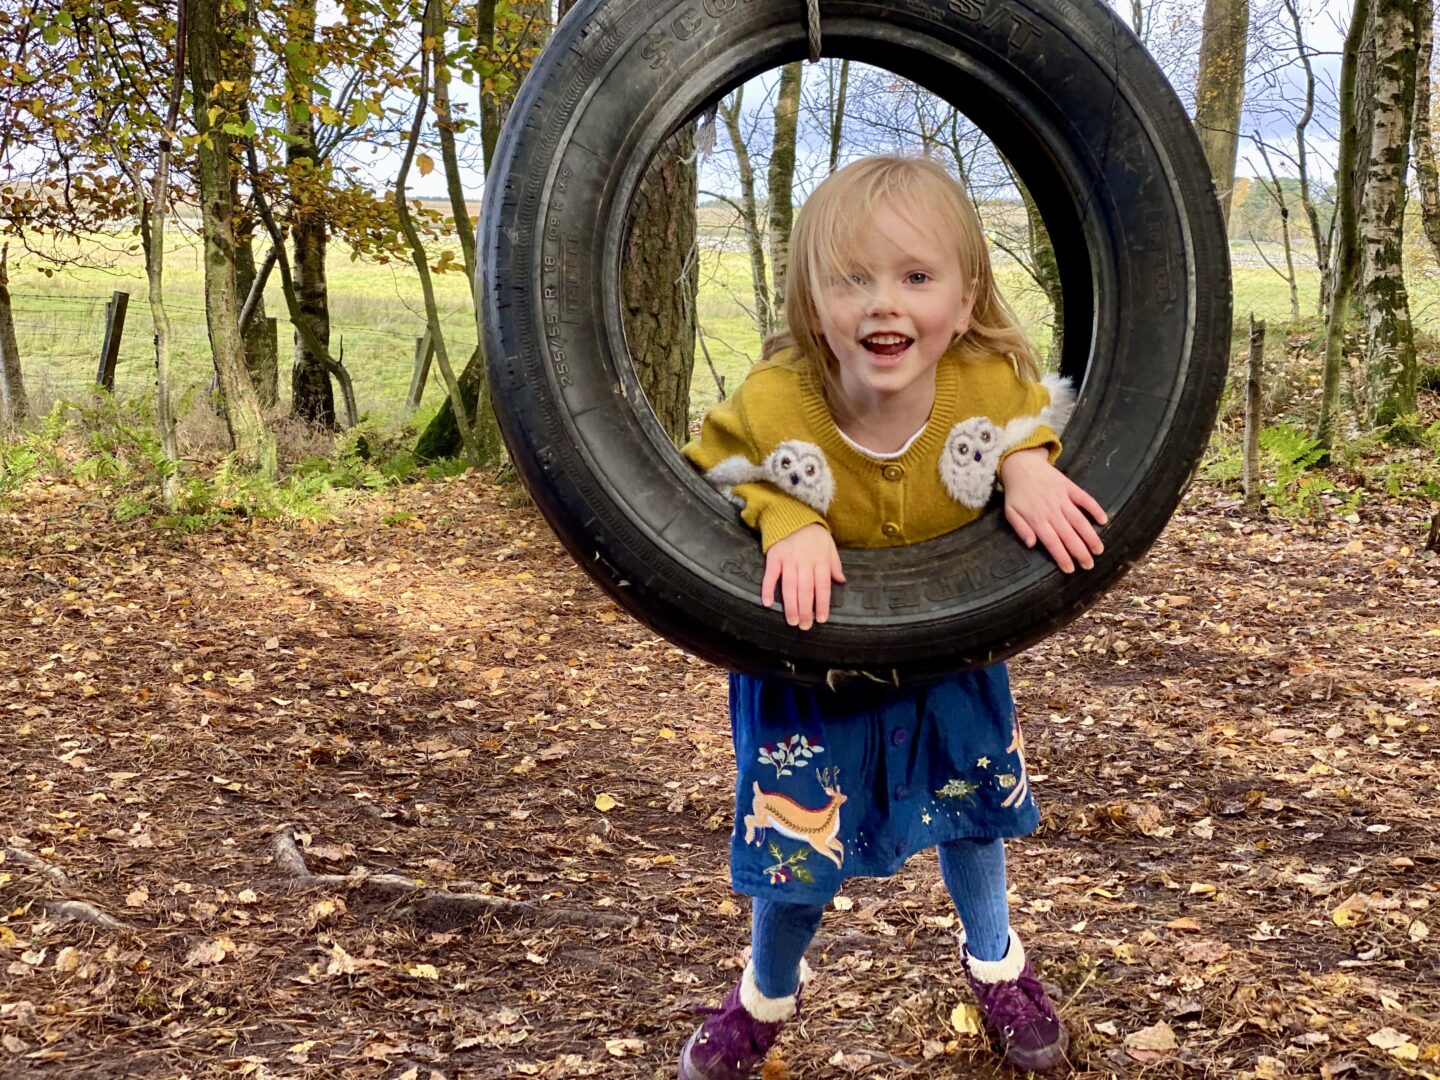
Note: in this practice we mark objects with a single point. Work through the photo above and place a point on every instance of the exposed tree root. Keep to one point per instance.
(433, 906)
(81, 912)
(31, 861)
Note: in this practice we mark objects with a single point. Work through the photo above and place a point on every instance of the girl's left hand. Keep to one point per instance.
(1042, 504)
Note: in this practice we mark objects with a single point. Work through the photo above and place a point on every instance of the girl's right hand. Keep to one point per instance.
(804, 564)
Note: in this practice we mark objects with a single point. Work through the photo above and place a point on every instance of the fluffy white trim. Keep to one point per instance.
(1055, 415)
(1062, 402)
(768, 1010)
(734, 470)
(1006, 969)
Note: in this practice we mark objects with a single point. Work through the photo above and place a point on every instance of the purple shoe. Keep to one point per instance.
(734, 1039)
(1017, 1008)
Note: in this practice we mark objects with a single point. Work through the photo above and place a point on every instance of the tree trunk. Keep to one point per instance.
(1312, 215)
(252, 443)
(312, 399)
(657, 284)
(14, 405)
(1427, 176)
(1284, 207)
(837, 115)
(1347, 243)
(1254, 383)
(261, 358)
(1220, 91)
(750, 217)
(445, 129)
(1390, 372)
(782, 175)
(1047, 272)
(508, 51)
(432, 34)
(442, 437)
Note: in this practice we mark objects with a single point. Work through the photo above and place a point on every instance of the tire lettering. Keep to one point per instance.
(657, 49)
(716, 8)
(968, 9)
(899, 597)
(1008, 565)
(746, 571)
(686, 24)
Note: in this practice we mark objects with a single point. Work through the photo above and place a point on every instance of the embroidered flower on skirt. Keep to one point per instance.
(832, 785)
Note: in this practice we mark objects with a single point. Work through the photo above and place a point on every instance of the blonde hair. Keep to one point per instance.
(827, 232)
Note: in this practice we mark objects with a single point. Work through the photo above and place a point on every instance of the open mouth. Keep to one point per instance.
(886, 345)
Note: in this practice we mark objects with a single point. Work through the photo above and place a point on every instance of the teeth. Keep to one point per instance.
(886, 339)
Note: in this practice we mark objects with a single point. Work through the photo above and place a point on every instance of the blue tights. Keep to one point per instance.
(974, 874)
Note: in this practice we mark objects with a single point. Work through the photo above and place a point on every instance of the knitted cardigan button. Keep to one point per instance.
(892, 472)
(890, 529)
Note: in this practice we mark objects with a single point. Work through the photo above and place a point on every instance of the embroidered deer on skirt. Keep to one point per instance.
(818, 828)
(1017, 747)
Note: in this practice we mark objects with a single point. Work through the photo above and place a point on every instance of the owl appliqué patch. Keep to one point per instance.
(969, 459)
(796, 467)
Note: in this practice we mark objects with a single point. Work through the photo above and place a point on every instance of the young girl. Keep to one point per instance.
(902, 391)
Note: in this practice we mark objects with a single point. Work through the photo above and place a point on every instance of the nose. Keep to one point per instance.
(881, 299)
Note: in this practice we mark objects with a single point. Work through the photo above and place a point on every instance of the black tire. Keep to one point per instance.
(1069, 95)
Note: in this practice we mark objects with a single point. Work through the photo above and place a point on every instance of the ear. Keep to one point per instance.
(962, 316)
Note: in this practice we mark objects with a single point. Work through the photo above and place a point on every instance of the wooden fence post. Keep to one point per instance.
(1253, 417)
(424, 350)
(114, 330)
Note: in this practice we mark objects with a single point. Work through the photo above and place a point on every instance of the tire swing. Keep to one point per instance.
(1070, 97)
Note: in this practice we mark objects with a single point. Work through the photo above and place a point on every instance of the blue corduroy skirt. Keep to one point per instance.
(834, 784)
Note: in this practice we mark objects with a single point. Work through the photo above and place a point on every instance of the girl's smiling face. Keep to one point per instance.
(903, 302)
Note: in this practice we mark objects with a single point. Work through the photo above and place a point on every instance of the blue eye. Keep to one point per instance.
(919, 277)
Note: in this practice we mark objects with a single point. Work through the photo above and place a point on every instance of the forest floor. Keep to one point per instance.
(246, 767)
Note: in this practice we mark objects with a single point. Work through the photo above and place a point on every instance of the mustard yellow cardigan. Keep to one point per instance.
(774, 450)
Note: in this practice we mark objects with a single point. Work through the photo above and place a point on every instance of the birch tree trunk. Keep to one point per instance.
(782, 175)
(1427, 176)
(14, 404)
(1220, 91)
(1390, 372)
(252, 442)
(1347, 240)
(312, 398)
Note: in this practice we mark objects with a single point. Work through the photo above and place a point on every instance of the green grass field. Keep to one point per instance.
(376, 315)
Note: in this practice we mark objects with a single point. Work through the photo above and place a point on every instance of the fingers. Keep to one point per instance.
(822, 595)
(1069, 545)
(1085, 530)
(1021, 526)
(804, 616)
(790, 591)
(772, 575)
(1052, 542)
(1083, 499)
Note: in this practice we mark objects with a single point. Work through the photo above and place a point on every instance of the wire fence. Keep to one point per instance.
(60, 337)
